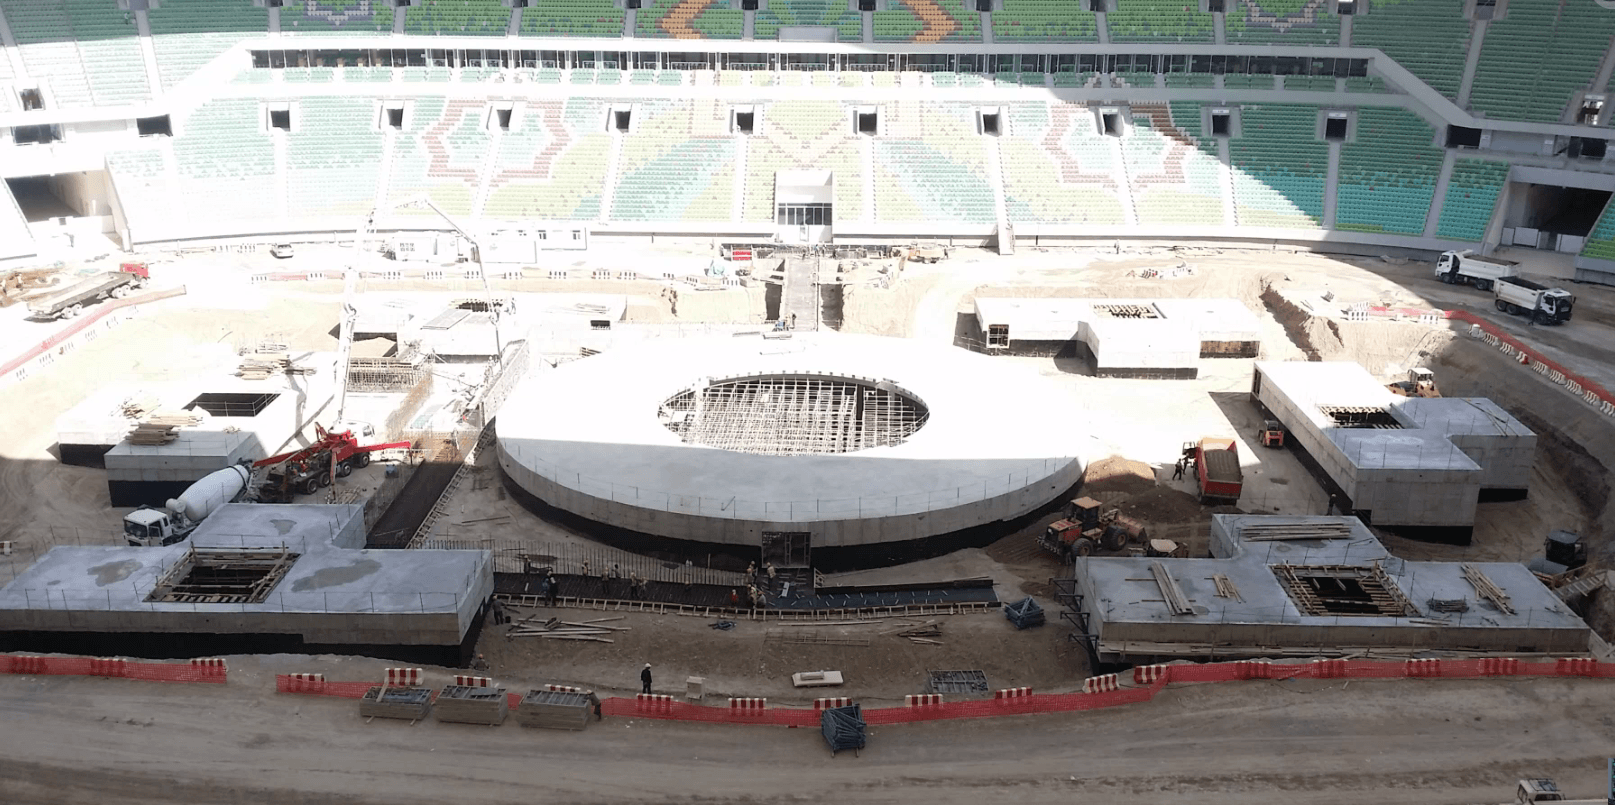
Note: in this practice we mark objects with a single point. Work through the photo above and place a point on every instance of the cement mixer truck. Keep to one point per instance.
(174, 522)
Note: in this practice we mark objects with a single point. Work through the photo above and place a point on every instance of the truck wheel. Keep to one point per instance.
(1485, 285)
(1114, 539)
(1539, 317)
(1500, 306)
(362, 460)
(72, 311)
(1513, 309)
(344, 469)
(324, 479)
(309, 486)
(1082, 547)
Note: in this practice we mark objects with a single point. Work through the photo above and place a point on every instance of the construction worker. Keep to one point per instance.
(644, 679)
(480, 663)
(1177, 472)
(553, 590)
(594, 700)
(770, 571)
(734, 598)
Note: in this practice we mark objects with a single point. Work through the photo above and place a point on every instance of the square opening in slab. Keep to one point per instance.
(1127, 311)
(1463, 137)
(1334, 128)
(232, 404)
(998, 336)
(1111, 122)
(1343, 590)
(989, 123)
(745, 122)
(223, 577)
(621, 119)
(1222, 124)
(153, 126)
(868, 123)
(1360, 416)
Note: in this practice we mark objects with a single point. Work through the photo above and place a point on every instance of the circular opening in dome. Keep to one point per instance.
(796, 414)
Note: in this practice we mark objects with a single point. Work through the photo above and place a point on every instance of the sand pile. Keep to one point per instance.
(1117, 475)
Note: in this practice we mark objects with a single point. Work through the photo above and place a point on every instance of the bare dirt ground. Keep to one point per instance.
(1304, 742)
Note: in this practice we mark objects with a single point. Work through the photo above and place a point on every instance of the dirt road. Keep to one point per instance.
(1444, 741)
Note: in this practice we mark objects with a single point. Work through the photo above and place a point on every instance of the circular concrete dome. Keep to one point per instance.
(857, 441)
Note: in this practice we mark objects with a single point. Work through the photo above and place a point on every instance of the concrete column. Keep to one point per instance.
(1433, 218)
(1331, 186)
(1476, 39)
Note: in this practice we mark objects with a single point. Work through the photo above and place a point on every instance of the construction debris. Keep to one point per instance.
(813, 638)
(1226, 587)
(1024, 613)
(557, 629)
(1487, 588)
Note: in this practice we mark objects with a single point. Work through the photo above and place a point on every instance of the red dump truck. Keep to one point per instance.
(1216, 469)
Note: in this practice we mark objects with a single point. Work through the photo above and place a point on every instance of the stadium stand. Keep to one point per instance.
(226, 165)
(1428, 37)
(1174, 178)
(143, 188)
(690, 19)
(1158, 21)
(1388, 174)
(355, 19)
(1190, 80)
(849, 25)
(333, 159)
(1601, 241)
(441, 155)
(45, 40)
(1534, 59)
(1057, 169)
(1280, 167)
(931, 166)
(572, 18)
(927, 21)
(678, 164)
(1044, 21)
(189, 34)
(1471, 194)
(1281, 22)
(803, 135)
(551, 165)
(111, 52)
(1366, 84)
(457, 18)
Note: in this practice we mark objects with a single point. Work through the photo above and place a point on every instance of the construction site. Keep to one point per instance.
(959, 480)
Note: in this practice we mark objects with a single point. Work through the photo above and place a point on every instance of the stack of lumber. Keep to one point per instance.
(554, 709)
(409, 704)
(162, 427)
(919, 632)
(557, 629)
(462, 704)
(261, 365)
(137, 407)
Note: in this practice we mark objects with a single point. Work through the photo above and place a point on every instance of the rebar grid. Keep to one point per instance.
(1357, 416)
(1127, 311)
(782, 416)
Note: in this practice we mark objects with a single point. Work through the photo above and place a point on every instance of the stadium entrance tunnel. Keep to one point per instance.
(1543, 214)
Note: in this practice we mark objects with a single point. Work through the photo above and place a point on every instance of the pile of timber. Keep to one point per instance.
(137, 407)
(162, 427)
(919, 632)
(409, 704)
(557, 629)
(261, 365)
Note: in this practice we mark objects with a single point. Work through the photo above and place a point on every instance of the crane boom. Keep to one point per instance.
(350, 316)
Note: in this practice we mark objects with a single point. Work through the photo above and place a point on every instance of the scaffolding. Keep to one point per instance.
(794, 415)
(384, 375)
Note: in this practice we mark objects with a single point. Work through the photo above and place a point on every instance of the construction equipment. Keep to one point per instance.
(1467, 268)
(311, 468)
(1086, 528)
(1563, 551)
(150, 527)
(1216, 469)
(70, 301)
(1421, 382)
(1540, 789)
(1519, 296)
(927, 254)
(1271, 434)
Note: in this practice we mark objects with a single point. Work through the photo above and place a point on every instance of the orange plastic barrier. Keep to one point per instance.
(194, 671)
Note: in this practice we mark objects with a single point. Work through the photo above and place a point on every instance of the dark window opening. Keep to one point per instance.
(989, 124)
(503, 118)
(1334, 128)
(1112, 124)
(599, 324)
(748, 5)
(1463, 137)
(274, 3)
(1217, 6)
(1346, 8)
(1221, 124)
(31, 99)
(35, 135)
(867, 123)
(244, 404)
(1098, 5)
(620, 119)
(998, 336)
(153, 126)
(805, 215)
(630, 4)
(984, 5)
(280, 119)
(1587, 115)
(1357, 416)
(863, 5)
(395, 117)
(745, 121)
(1587, 148)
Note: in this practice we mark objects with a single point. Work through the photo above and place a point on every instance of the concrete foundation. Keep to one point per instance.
(1129, 617)
(1152, 338)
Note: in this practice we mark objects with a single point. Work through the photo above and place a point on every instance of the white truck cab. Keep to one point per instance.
(150, 528)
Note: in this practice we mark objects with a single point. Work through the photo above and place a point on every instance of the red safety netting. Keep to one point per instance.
(195, 671)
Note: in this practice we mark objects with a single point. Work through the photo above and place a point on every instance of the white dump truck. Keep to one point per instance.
(174, 522)
(1522, 297)
(1468, 268)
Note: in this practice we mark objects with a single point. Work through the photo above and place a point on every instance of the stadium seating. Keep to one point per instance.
(803, 135)
(848, 24)
(1280, 167)
(930, 165)
(189, 34)
(926, 21)
(45, 39)
(1471, 194)
(1057, 169)
(143, 187)
(1286, 22)
(1388, 174)
(226, 164)
(1173, 178)
(571, 18)
(1159, 21)
(1601, 241)
(1044, 21)
(1428, 37)
(1137, 80)
(457, 18)
(440, 153)
(1366, 84)
(1190, 80)
(551, 165)
(1245, 81)
(1310, 83)
(333, 159)
(356, 19)
(111, 53)
(690, 19)
(678, 164)
(1534, 59)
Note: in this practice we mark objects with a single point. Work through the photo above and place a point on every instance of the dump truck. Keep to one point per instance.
(1217, 472)
(1085, 527)
(1467, 268)
(1421, 382)
(70, 301)
(152, 527)
(1520, 296)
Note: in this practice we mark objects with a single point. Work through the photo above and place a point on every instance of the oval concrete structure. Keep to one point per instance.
(590, 438)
